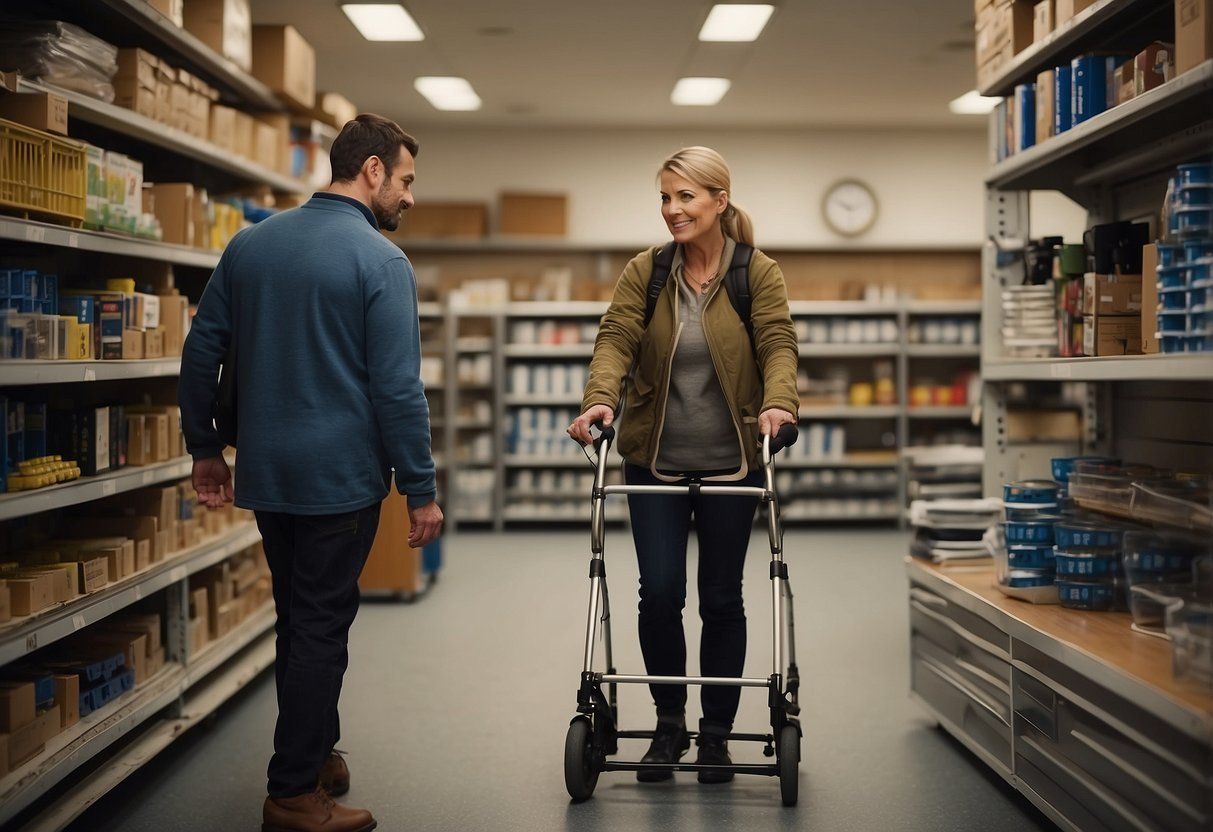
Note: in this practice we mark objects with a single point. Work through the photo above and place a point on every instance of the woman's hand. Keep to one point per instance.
(580, 429)
(770, 421)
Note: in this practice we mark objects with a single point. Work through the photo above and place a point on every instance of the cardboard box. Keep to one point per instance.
(1005, 31)
(174, 10)
(1045, 112)
(1042, 20)
(1044, 425)
(1193, 34)
(65, 579)
(1065, 9)
(40, 110)
(30, 594)
(244, 135)
(67, 698)
(138, 441)
(18, 705)
(25, 743)
(265, 145)
(173, 205)
(6, 604)
(132, 645)
(1149, 299)
(94, 574)
(521, 213)
(446, 220)
(1125, 83)
(157, 428)
(1153, 67)
(1104, 295)
(1111, 335)
(174, 319)
(223, 127)
(334, 109)
(132, 344)
(286, 63)
(223, 25)
(138, 66)
(166, 79)
(153, 343)
(280, 124)
(49, 723)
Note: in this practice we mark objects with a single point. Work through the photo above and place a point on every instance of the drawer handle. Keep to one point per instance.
(985, 676)
(971, 695)
(924, 596)
(976, 641)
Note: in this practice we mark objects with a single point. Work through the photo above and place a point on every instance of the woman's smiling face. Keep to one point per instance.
(690, 211)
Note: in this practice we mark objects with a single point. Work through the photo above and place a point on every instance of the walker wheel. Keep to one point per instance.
(580, 773)
(789, 764)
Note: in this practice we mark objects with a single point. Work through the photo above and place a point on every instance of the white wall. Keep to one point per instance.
(928, 183)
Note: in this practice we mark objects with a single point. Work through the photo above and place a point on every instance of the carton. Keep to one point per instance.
(265, 145)
(132, 645)
(1149, 299)
(1042, 20)
(1065, 9)
(1111, 335)
(40, 110)
(132, 344)
(174, 10)
(49, 723)
(173, 205)
(223, 127)
(67, 698)
(1104, 295)
(223, 25)
(18, 705)
(446, 220)
(139, 66)
(157, 427)
(65, 577)
(521, 213)
(138, 441)
(243, 135)
(334, 109)
(286, 63)
(280, 124)
(1045, 112)
(153, 343)
(1193, 34)
(1044, 425)
(25, 743)
(1126, 82)
(174, 319)
(30, 594)
(1153, 67)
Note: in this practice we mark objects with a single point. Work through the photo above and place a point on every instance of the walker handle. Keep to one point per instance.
(785, 438)
(607, 434)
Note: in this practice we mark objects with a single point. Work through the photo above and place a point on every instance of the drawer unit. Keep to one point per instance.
(962, 711)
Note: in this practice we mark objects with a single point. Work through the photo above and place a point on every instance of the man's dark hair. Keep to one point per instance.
(366, 136)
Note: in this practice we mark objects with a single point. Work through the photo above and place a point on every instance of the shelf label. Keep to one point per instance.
(90, 374)
(138, 592)
(73, 240)
(149, 477)
(1061, 370)
(31, 642)
(108, 488)
(178, 574)
(34, 234)
(78, 622)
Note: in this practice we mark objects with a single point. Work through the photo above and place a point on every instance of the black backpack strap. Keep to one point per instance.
(737, 284)
(663, 263)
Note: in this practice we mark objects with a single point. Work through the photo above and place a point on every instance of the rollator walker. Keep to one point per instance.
(593, 736)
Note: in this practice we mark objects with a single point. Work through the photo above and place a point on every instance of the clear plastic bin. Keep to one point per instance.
(1189, 625)
(1186, 505)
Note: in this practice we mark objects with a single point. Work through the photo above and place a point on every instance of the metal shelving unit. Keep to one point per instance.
(549, 350)
(23, 373)
(848, 412)
(15, 229)
(849, 350)
(941, 412)
(943, 350)
(1158, 367)
(88, 489)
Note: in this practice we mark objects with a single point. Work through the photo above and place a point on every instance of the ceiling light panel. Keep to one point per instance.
(383, 21)
(973, 103)
(735, 22)
(699, 92)
(447, 92)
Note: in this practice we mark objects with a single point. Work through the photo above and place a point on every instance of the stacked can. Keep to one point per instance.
(1185, 262)
(1090, 574)
(1032, 508)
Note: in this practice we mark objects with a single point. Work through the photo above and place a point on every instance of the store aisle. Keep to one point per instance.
(455, 709)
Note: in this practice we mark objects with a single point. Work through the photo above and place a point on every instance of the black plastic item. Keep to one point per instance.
(1100, 242)
(785, 437)
(1128, 254)
(1038, 260)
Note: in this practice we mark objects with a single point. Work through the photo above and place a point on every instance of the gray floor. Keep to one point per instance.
(455, 709)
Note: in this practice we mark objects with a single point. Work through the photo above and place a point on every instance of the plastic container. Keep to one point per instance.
(1185, 505)
(1028, 578)
(1030, 557)
(1150, 555)
(1173, 300)
(1063, 466)
(1200, 323)
(1034, 513)
(1088, 536)
(1090, 595)
(1148, 603)
(1086, 564)
(1196, 194)
(1021, 532)
(1189, 625)
(1199, 269)
(1173, 277)
(41, 174)
(1173, 323)
(1031, 492)
(1197, 298)
(1171, 254)
(1195, 220)
(1192, 249)
(1195, 173)
(1172, 342)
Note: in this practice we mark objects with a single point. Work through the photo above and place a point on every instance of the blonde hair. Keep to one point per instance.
(707, 169)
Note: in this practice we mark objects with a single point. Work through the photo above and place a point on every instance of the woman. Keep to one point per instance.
(701, 393)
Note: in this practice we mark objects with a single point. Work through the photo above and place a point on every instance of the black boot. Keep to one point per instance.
(670, 742)
(714, 751)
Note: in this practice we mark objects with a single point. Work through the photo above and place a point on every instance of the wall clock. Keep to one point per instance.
(849, 207)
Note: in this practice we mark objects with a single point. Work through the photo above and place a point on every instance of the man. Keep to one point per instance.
(323, 311)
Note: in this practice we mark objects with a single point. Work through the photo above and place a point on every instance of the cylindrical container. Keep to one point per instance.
(1031, 491)
(1034, 532)
(1090, 595)
(1030, 557)
(1086, 564)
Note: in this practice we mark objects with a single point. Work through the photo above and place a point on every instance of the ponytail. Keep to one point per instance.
(737, 225)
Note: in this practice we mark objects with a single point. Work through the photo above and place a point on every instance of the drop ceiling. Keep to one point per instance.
(818, 64)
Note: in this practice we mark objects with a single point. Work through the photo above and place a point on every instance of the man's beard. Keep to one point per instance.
(387, 213)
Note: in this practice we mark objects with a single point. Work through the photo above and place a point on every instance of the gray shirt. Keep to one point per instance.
(698, 432)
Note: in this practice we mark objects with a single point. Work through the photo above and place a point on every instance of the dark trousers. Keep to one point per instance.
(660, 526)
(314, 561)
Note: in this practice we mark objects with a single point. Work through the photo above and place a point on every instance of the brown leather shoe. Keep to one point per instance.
(313, 812)
(335, 776)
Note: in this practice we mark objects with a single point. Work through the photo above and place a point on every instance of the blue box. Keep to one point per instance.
(35, 430)
(82, 307)
(1025, 116)
(50, 291)
(1090, 79)
(29, 284)
(10, 280)
(1063, 118)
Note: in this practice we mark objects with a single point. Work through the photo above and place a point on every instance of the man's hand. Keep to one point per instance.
(580, 429)
(425, 524)
(770, 421)
(213, 482)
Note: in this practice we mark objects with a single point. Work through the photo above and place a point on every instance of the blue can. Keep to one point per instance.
(1173, 343)
(1195, 220)
(1197, 299)
(1192, 249)
(1033, 492)
(1021, 532)
(1173, 323)
(1172, 254)
(1063, 466)
(1200, 342)
(1195, 173)
(1090, 595)
(1030, 557)
(1201, 194)
(1083, 536)
(1028, 578)
(1160, 560)
(1174, 300)
(1086, 564)
(1199, 269)
(1173, 277)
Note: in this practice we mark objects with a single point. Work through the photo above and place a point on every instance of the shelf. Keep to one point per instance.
(472, 345)
(20, 230)
(941, 412)
(790, 515)
(71, 749)
(136, 126)
(549, 350)
(1087, 30)
(943, 350)
(808, 308)
(543, 399)
(178, 46)
(87, 489)
(848, 412)
(848, 350)
(557, 309)
(1155, 130)
(21, 373)
(515, 461)
(514, 516)
(430, 309)
(22, 636)
(849, 461)
(1159, 367)
(944, 307)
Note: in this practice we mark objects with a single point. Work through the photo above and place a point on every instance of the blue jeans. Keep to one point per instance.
(660, 527)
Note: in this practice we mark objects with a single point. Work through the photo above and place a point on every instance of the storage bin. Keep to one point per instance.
(1195, 220)
(1086, 564)
(1200, 270)
(1031, 531)
(1200, 341)
(1195, 195)
(1194, 249)
(1031, 492)
(1063, 466)
(1171, 323)
(1028, 578)
(1148, 603)
(1047, 512)
(1197, 298)
(1184, 505)
(41, 175)
(1030, 557)
(1160, 555)
(1086, 536)
(1172, 343)
(1090, 595)
(1173, 300)
(1189, 625)
(1173, 254)
(1173, 277)
(1195, 173)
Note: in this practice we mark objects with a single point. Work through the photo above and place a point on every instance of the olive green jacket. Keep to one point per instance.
(750, 386)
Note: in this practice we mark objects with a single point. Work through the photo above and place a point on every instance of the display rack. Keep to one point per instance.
(33, 232)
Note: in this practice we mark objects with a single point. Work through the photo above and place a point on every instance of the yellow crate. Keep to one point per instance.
(41, 174)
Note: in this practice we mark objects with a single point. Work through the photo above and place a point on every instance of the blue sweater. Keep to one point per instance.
(329, 389)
